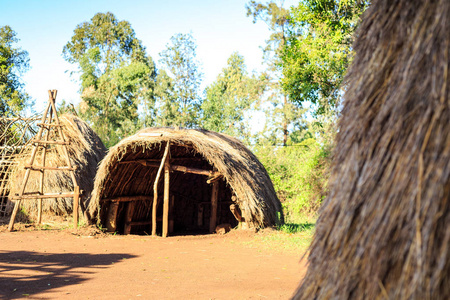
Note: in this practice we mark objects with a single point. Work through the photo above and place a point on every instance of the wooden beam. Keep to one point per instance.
(127, 199)
(152, 163)
(129, 217)
(51, 142)
(214, 200)
(140, 223)
(165, 230)
(214, 179)
(195, 171)
(41, 168)
(155, 188)
(44, 196)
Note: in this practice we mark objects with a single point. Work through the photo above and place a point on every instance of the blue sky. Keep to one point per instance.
(220, 27)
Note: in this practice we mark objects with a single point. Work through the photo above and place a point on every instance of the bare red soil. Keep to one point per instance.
(53, 264)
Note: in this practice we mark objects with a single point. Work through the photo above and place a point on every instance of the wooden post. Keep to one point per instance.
(41, 182)
(111, 222)
(166, 198)
(155, 189)
(76, 199)
(200, 215)
(171, 220)
(214, 198)
(129, 217)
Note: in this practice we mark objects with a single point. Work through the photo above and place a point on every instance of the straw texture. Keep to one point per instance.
(384, 230)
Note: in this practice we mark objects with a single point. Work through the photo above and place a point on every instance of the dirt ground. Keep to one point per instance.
(86, 264)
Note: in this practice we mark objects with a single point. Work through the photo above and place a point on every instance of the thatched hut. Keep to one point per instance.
(384, 230)
(85, 150)
(203, 165)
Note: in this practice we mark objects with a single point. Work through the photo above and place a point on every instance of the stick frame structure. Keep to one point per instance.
(50, 121)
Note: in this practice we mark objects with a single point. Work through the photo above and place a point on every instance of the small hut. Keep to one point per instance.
(85, 150)
(210, 179)
(384, 230)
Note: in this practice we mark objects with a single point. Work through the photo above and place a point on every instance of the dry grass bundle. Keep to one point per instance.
(241, 170)
(384, 230)
(85, 151)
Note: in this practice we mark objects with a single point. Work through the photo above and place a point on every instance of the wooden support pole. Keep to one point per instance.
(171, 217)
(166, 199)
(76, 199)
(129, 217)
(41, 181)
(214, 198)
(200, 215)
(155, 189)
(111, 221)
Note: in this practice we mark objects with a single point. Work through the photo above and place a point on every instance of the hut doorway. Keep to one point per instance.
(191, 197)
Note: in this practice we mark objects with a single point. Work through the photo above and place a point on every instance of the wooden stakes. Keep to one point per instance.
(214, 198)
(155, 188)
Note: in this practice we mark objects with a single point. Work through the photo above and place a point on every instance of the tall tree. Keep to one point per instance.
(115, 72)
(230, 97)
(13, 63)
(277, 19)
(318, 50)
(180, 101)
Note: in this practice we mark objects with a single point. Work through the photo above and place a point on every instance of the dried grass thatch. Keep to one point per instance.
(384, 230)
(243, 175)
(85, 151)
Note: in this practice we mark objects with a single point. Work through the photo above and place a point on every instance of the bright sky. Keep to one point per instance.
(220, 27)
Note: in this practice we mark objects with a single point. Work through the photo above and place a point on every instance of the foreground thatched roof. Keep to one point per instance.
(384, 230)
(85, 151)
(241, 170)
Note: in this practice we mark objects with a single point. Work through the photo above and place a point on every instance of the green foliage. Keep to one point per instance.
(116, 75)
(299, 173)
(318, 50)
(13, 63)
(296, 227)
(230, 97)
(178, 85)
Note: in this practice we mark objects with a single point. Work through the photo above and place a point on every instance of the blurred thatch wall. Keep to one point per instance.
(85, 151)
(384, 230)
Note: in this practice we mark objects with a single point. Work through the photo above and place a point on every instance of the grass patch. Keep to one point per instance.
(294, 237)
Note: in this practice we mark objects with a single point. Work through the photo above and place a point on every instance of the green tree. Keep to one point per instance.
(230, 97)
(13, 63)
(116, 75)
(178, 93)
(284, 113)
(318, 50)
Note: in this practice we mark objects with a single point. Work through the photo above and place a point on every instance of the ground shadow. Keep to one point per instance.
(24, 273)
